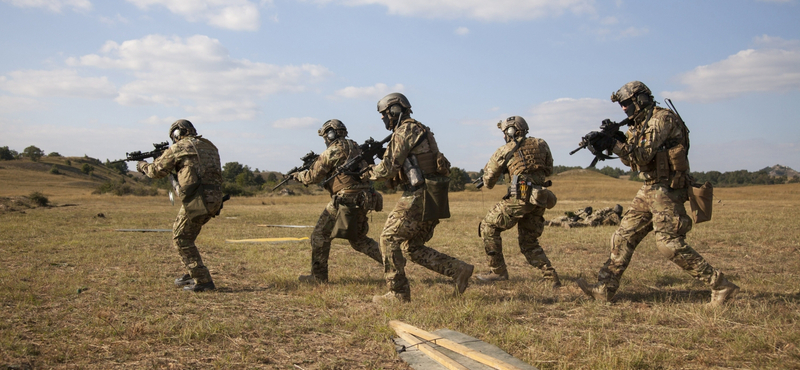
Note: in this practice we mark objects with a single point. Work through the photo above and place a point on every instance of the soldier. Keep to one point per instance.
(412, 161)
(528, 161)
(195, 161)
(657, 146)
(345, 216)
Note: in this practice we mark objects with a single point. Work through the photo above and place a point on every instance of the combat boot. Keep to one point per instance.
(554, 278)
(597, 292)
(462, 277)
(723, 291)
(311, 279)
(391, 297)
(184, 280)
(200, 287)
(494, 275)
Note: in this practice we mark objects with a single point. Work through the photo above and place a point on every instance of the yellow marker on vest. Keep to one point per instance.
(267, 240)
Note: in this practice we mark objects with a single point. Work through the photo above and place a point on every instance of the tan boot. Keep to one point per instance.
(722, 292)
(391, 297)
(491, 276)
(597, 292)
(462, 277)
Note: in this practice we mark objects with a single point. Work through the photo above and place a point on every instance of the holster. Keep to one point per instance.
(435, 202)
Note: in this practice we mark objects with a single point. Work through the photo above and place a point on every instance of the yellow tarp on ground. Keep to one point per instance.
(267, 240)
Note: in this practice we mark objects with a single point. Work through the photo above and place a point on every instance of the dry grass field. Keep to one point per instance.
(76, 294)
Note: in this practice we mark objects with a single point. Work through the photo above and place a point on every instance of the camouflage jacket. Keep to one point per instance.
(538, 166)
(329, 160)
(654, 130)
(400, 146)
(194, 160)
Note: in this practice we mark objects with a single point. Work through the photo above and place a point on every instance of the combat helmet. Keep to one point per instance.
(635, 92)
(331, 130)
(392, 107)
(181, 128)
(513, 127)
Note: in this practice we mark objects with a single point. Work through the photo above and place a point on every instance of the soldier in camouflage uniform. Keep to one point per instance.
(354, 196)
(588, 217)
(411, 150)
(195, 162)
(527, 160)
(657, 147)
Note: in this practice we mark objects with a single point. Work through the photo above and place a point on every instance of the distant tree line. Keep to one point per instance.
(742, 177)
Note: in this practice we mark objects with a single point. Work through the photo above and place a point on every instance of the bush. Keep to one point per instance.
(39, 199)
(87, 169)
(54, 170)
(54, 154)
(68, 162)
(7, 154)
(33, 153)
(119, 167)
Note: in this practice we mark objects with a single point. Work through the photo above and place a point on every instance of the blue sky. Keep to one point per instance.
(259, 77)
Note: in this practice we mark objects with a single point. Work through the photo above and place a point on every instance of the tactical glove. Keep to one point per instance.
(600, 142)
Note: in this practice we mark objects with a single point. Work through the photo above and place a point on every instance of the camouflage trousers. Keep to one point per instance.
(405, 232)
(530, 225)
(184, 233)
(661, 209)
(321, 239)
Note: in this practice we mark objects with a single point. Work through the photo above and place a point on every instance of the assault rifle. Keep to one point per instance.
(608, 128)
(308, 161)
(139, 156)
(369, 150)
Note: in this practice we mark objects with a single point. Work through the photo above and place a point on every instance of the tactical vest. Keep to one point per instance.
(349, 149)
(530, 159)
(202, 162)
(670, 164)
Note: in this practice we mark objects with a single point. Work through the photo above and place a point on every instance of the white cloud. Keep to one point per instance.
(10, 104)
(239, 15)
(198, 74)
(296, 122)
(375, 92)
(52, 5)
(562, 122)
(61, 82)
(461, 31)
(753, 70)
(496, 10)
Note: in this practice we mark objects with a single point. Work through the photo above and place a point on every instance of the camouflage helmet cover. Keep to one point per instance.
(186, 129)
(394, 98)
(514, 121)
(629, 90)
(332, 124)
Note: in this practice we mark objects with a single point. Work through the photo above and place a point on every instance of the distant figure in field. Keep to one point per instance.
(657, 144)
(527, 161)
(351, 199)
(587, 217)
(194, 161)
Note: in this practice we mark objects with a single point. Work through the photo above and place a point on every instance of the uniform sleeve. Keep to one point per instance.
(322, 167)
(397, 151)
(163, 165)
(494, 169)
(656, 131)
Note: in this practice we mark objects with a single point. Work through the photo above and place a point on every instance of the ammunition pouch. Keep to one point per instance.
(412, 171)
(679, 161)
(520, 188)
(543, 197)
(700, 201)
(435, 203)
(662, 165)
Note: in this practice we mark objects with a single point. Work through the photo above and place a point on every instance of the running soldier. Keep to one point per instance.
(413, 162)
(345, 216)
(195, 162)
(527, 161)
(657, 144)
